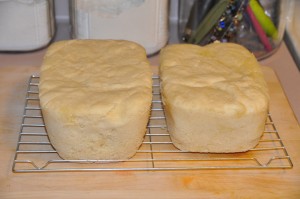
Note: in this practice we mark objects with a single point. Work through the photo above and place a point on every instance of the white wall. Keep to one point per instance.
(61, 10)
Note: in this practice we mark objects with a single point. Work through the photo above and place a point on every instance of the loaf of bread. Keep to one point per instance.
(95, 97)
(215, 97)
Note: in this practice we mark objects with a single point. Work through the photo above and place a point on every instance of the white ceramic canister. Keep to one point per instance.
(25, 24)
(141, 21)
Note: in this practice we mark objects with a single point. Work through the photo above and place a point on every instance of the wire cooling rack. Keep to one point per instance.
(34, 152)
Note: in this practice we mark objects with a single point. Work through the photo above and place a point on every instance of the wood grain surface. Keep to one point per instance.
(266, 183)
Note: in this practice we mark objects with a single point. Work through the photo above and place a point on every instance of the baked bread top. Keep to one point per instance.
(107, 78)
(224, 78)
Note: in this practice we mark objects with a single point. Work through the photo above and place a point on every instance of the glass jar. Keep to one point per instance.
(26, 24)
(256, 24)
(141, 21)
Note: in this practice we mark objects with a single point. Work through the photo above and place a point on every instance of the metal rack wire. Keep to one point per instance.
(34, 152)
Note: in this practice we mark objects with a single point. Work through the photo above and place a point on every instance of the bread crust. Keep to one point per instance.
(215, 97)
(95, 97)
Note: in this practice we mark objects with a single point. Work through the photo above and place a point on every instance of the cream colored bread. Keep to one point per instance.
(95, 97)
(215, 97)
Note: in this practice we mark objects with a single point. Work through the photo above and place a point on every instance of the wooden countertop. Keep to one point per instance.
(267, 183)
